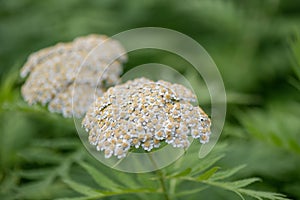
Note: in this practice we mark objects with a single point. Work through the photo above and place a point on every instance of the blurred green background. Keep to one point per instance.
(255, 45)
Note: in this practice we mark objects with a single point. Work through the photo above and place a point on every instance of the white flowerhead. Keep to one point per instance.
(145, 114)
(52, 73)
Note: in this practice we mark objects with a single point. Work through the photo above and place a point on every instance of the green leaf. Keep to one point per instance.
(108, 194)
(295, 45)
(237, 187)
(206, 163)
(57, 143)
(180, 174)
(82, 189)
(38, 190)
(126, 179)
(263, 195)
(191, 191)
(294, 145)
(233, 186)
(226, 173)
(76, 198)
(41, 155)
(7, 86)
(206, 175)
(101, 179)
(35, 174)
(8, 184)
(80, 198)
(294, 82)
(243, 183)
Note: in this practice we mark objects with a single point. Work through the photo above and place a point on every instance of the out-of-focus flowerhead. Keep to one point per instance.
(52, 73)
(143, 113)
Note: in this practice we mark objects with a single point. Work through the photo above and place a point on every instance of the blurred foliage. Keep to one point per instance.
(256, 46)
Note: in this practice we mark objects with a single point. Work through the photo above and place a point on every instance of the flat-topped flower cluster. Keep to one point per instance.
(52, 73)
(143, 113)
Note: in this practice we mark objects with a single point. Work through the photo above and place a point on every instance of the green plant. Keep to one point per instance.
(41, 156)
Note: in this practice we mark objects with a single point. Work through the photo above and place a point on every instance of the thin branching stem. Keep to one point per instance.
(161, 179)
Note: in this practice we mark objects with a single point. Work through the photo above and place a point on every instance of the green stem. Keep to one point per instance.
(161, 178)
(173, 183)
(163, 184)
